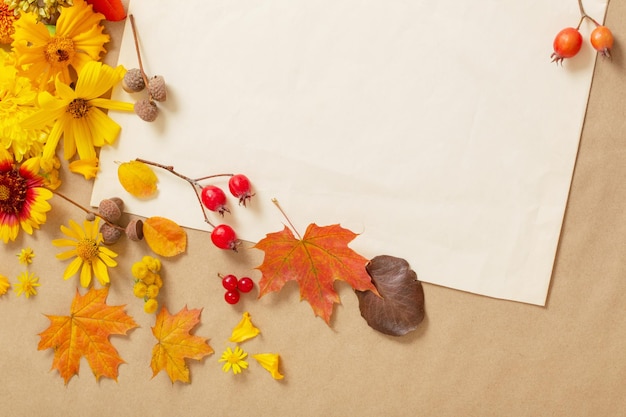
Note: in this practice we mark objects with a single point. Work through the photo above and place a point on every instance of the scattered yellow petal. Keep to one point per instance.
(269, 361)
(244, 330)
(137, 178)
(87, 167)
(26, 256)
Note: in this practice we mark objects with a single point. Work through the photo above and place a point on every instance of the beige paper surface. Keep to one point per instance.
(473, 356)
(448, 141)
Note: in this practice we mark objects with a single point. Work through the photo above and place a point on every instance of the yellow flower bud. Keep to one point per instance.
(153, 291)
(140, 289)
(150, 306)
(139, 270)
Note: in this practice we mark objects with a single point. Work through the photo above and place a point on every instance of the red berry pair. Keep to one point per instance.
(234, 286)
(214, 198)
(568, 42)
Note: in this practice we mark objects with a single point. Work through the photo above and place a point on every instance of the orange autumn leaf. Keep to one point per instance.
(175, 343)
(315, 262)
(137, 178)
(85, 333)
(165, 237)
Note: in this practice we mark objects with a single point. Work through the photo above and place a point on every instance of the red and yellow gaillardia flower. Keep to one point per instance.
(23, 198)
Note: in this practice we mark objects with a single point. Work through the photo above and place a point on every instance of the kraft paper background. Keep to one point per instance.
(472, 356)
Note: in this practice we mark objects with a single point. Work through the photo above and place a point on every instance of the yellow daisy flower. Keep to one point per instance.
(7, 18)
(77, 115)
(4, 285)
(270, 362)
(78, 39)
(244, 330)
(18, 101)
(23, 199)
(27, 285)
(26, 255)
(88, 250)
(234, 360)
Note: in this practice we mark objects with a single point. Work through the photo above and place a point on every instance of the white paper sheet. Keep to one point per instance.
(440, 131)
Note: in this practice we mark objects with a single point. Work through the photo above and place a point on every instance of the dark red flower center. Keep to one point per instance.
(13, 192)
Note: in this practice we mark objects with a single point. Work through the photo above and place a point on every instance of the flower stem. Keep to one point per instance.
(293, 228)
(86, 210)
(194, 184)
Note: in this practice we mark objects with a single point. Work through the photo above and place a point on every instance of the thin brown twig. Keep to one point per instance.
(293, 228)
(86, 210)
(191, 182)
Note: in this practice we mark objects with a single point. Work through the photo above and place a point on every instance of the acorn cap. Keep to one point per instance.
(146, 109)
(134, 230)
(156, 87)
(133, 81)
(109, 210)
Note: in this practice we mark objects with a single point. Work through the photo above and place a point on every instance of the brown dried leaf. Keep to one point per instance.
(400, 309)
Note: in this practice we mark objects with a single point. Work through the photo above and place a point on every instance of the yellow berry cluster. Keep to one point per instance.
(148, 282)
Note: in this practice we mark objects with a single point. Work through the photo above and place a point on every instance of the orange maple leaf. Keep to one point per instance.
(315, 261)
(175, 343)
(85, 332)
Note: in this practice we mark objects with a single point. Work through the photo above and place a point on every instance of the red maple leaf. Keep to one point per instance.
(315, 261)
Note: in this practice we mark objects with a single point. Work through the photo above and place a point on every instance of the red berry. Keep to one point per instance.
(230, 282)
(239, 186)
(214, 199)
(224, 237)
(602, 40)
(566, 44)
(232, 297)
(245, 284)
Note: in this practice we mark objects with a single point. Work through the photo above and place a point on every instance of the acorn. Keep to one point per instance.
(133, 81)
(119, 202)
(156, 88)
(109, 210)
(146, 109)
(90, 217)
(110, 234)
(134, 230)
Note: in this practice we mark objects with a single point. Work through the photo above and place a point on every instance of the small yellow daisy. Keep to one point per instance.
(26, 256)
(234, 359)
(4, 285)
(27, 284)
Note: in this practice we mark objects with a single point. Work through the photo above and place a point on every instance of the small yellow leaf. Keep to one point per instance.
(137, 178)
(165, 237)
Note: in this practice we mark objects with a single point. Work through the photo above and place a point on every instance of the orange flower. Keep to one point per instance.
(7, 17)
(78, 39)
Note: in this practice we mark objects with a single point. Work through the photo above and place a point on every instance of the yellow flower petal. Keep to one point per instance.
(87, 167)
(72, 268)
(244, 330)
(270, 362)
